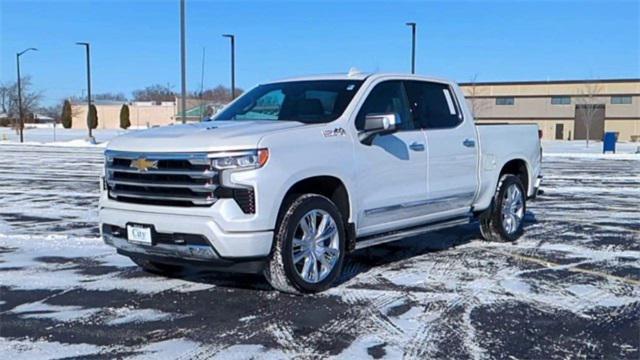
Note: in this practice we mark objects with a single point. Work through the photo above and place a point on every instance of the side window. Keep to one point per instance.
(433, 105)
(387, 97)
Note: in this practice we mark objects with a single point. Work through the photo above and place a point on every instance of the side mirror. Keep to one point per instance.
(379, 124)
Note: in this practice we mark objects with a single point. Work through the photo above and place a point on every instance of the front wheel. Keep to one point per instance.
(503, 220)
(309, 246)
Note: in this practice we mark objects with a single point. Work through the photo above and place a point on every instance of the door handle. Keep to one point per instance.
(469, 143)
(416, 146)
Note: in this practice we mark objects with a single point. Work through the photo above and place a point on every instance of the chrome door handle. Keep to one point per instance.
(469, 143)
(416, 146)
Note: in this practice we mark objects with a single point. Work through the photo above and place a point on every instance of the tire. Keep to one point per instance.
(156, 267)
(507, 207)
(314, 260)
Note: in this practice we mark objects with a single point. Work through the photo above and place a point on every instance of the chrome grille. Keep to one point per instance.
(183, 179)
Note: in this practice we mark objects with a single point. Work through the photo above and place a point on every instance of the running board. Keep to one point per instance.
(373, 240)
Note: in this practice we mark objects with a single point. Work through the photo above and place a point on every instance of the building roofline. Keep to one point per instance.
(542, 82)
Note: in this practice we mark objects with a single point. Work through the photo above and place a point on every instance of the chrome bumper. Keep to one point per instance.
(188, 252)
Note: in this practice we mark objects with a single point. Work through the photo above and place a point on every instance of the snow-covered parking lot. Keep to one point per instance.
(570, 288)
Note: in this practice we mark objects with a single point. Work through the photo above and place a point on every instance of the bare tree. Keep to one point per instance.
(590, 104)
(155, 93)
(220, 94)
(4, 97)
(110, 96)
(474, 97)
(9, 98)
(53, 111)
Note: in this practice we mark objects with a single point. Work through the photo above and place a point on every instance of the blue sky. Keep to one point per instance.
(136, 43)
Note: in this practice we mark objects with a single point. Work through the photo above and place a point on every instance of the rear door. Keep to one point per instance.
(392, 171)
(452, 150)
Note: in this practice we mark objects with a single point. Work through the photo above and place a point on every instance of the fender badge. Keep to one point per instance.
(335, 132)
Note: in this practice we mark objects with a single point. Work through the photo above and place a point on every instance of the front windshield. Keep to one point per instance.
(309, 102)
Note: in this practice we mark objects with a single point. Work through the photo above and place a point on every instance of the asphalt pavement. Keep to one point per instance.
(569, 288)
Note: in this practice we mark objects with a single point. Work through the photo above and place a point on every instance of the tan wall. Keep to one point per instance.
(624, 110)
(631, 87)
(139, 115)
(532, 104)
(628, 129)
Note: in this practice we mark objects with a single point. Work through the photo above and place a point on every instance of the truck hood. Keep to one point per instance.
(197, 137)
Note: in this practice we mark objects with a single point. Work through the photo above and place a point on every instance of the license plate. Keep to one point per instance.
(139, 234)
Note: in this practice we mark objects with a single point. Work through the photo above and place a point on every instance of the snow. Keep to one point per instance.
(578, 149)
(42, 349)
(169, 349)
(129, 315)
(241, 352)
(579, 259)
(60, 313)
(63, 137)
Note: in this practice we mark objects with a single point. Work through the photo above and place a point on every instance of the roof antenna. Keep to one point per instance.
(353, 72)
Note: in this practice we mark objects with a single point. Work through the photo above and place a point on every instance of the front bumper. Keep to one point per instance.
(198, 256)
(218, 244)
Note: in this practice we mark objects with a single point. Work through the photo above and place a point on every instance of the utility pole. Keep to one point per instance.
(413, 46)
(183, 63)
(233, 64)
(20, 93)
(87, 48)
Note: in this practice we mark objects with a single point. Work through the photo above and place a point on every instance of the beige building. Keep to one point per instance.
(142, 114)
(562, 109)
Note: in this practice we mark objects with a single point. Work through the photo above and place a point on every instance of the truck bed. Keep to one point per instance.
(500, 143)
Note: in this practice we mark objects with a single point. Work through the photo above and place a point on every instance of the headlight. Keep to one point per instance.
(242, 160)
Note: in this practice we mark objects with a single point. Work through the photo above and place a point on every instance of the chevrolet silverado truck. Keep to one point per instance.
(295, 174)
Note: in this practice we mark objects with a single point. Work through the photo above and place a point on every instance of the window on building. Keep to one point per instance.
(505, 101)
(560, 100)
(621, 100)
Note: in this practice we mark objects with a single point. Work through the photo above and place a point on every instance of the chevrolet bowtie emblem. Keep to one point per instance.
(143, 164)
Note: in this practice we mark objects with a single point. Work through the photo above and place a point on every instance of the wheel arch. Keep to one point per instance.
(518, 167)
(326, 185)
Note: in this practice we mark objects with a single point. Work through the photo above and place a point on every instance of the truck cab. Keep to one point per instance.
(295, 174)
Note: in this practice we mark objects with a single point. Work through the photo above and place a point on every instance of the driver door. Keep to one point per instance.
(391, 173)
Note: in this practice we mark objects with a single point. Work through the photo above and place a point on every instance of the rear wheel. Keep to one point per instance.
(156, 267)
(503, 220)
(309, 246)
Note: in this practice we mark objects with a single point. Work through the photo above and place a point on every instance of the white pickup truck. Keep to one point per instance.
(294, 175)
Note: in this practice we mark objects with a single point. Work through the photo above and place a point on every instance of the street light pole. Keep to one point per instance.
(233, 64)
(413, 46)
(20, 93)
(183, 63)
(87, 47)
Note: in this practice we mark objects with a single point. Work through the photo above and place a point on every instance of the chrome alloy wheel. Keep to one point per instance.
(512, 209)
(316, 246)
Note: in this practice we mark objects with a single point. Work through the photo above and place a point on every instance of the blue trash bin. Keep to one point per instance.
(609, 142)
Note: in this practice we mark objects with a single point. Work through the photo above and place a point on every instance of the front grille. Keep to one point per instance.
(161, 179)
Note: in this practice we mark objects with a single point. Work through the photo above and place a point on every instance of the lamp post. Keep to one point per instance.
(183, 63)
(20, 92)
(413, 46)
(233, 64)
(87, 47)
